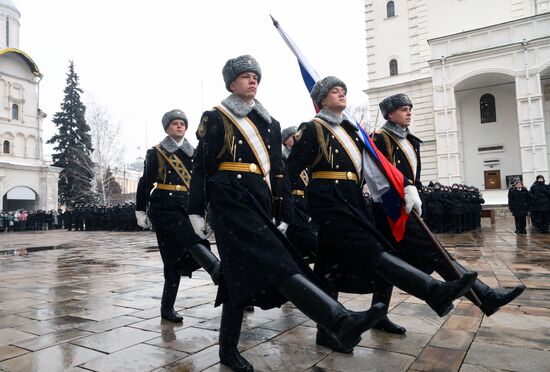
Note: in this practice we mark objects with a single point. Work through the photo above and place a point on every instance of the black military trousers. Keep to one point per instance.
(521, 223)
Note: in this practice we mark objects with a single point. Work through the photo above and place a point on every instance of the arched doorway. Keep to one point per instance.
(489, 133)
(20, 197)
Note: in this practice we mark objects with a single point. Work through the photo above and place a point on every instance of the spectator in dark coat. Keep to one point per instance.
(540, 197)
(518, 203)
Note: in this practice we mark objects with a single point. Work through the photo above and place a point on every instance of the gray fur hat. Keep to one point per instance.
(392, 103)
(173, 115)
(288, 132)
(323, 86)
(239, 65)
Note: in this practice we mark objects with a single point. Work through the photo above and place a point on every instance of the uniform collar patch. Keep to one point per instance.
(170, 146)
(396, 130)
(329, 116)
(239, 108)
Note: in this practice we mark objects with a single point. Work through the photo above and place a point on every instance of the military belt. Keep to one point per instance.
(298, 192)
(164, 186)
(328, 175)
(240, 167)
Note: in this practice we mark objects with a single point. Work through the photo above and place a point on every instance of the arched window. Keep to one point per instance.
(6, 147)
(487, 110)
(393, 67)
(390, 9)
(15, 111)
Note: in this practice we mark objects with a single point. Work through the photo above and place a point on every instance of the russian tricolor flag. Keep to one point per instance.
(393, 198)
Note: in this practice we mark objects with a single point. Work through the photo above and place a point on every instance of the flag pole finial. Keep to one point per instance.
(275, 23)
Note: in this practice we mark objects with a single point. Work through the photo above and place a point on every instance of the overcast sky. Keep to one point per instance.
(142, 58)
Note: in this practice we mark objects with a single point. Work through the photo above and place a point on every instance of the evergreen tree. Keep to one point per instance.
(74, 146)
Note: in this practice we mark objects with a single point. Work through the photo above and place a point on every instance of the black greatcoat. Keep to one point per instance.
(519, 201)
(348, 246)
(167, 211)
(255, 256)
(415, 247)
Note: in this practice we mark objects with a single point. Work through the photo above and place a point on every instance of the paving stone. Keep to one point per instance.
(163, 326)
(189, 340)
(507, 357)
(11, 336)
(51, 339)
(9, 321)
(136, 358)
(532, 338)
(452, 339)
(8, 352)
(108, 324)
(55, 358)
(439, 359)
(255, 336)
(411, 343)
(462, 323)
(276, 356)
(197, 362)
(115, 339)
(366, 360)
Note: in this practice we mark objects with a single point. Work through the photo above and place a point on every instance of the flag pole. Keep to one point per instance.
(443, 253)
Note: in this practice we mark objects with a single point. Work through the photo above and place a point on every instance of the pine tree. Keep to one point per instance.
(74, 146)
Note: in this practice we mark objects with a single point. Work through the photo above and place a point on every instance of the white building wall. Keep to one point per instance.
(503, 132)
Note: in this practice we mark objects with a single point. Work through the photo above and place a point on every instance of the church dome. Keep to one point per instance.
(9, 4)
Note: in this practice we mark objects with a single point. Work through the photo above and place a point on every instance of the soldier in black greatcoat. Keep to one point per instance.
(353, 255)
(396, 143)
(519, 200)
(164, 194)
(302, 233)
(540, 198)
(238, 172)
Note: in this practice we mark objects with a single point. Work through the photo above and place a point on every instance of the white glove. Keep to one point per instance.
(142, 220)
(202, 229)
(412, 200)
(283, 226)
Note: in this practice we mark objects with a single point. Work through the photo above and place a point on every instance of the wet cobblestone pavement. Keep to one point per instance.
(90, 301)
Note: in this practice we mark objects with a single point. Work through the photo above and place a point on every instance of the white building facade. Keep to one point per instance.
(26, 181)
(478, 73)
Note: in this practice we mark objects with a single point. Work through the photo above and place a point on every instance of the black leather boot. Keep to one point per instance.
(230, 330)
(438, 295)
(491, 298)
(169, 293)
(326, 338)
(207, 260)
(345, 325)
(385, 324)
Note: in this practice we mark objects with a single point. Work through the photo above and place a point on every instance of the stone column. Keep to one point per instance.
(447, 134)
(532, 136)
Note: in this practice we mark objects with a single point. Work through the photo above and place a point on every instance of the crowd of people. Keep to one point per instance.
(534, 202)
(451, 209)
(83, 217)
(23, 220)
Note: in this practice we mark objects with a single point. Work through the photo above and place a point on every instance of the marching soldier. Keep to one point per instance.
(239, 172)
(403, 149)
(164, 194)
(351, 256)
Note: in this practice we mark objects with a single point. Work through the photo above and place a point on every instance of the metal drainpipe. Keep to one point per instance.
(446, 112)
(525, 43)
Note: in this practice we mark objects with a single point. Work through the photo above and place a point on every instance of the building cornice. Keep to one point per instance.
(401, 84)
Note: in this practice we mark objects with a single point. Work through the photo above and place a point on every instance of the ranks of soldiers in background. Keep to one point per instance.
(96, 217)
(452, 209)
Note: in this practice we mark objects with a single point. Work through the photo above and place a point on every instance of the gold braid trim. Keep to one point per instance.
(229, 138)
(323, 145)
